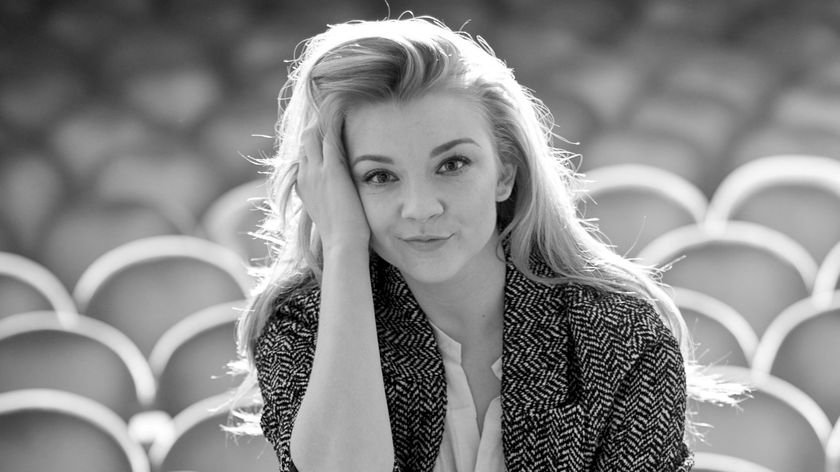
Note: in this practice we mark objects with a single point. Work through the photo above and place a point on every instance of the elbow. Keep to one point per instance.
(328, 454)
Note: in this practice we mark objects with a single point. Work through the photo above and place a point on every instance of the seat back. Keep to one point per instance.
(86, 229)
(633, 204)
(146, 286)
(232, 218)
(828, 275)
(832, 450)
(798, 195)
(189, 361)
(801, 346)
(53, 430)
(756, 270)
(777, 426)
(75, 354)
(26, 285)
(199, 443)
(710, 462)
(720, 334)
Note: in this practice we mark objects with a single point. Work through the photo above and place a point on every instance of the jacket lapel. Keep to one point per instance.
(542, 415)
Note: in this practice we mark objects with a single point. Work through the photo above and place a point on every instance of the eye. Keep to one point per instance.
(378, 177)
(453, 164)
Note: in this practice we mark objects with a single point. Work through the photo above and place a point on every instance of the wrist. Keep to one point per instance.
(344, 247)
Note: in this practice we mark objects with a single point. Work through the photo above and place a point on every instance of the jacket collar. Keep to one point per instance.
(536, 346)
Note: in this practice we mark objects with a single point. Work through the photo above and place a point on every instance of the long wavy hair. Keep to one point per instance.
(365, 62)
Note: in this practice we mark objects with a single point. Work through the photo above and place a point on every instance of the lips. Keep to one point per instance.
(426, 242)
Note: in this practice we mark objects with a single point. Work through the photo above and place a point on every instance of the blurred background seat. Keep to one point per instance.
(190, 359)
(633, 204)
(168, 174)
(711, 126)
(199, 443)
(767, 138)
(54, 430)
(710, 462)
(26, 285)
(87, 136)
(832, 450)
(828, 275)
(239, 132)
(755, 270)
(720, 334)
(795, 194)
(233, 217)
(625, 145)
(77, 354)
(146, 286)
(33, 187)
(777, 426)
(86, 228)
(801, 346)
(607, 82)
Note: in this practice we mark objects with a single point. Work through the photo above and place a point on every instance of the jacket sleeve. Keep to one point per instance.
(284, 361)
(646, 429)
(284, 356)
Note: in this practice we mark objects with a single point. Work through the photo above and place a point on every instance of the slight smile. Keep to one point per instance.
(426, 243)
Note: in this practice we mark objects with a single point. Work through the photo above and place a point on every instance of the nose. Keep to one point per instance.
(420, 202)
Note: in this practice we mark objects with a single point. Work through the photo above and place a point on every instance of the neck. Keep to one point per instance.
(469, 306)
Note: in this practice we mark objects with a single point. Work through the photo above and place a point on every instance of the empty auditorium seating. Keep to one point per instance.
(609, 83)
(730, 74)
(190, 358)
(26, 285)
(634, 204)
(777, 426)
(808, 104)
(85, 229)
(169, 174)
(720, 334)
(711, 125)
(656, 148)
(87, 136)
(77, 354)
(798, 195)
(32, 189)
(236, 134)
(131, 121)
(145, 286)
(770, 139)
(801, 346)
(200, 444)
(53, 430)
(232, 218)
(756, 270)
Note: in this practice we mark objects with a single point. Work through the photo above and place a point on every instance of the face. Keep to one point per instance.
(429, 179)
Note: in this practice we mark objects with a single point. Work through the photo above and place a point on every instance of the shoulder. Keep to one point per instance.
(293, 313)
(613, 330)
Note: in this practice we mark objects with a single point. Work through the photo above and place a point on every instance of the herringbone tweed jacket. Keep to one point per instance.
(592, 381)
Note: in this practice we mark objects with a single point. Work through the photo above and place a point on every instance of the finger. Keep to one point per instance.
(331, 151)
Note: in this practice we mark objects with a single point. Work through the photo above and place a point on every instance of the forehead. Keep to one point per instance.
(420, 123)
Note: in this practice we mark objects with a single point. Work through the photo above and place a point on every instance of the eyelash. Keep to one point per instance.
(462, 161)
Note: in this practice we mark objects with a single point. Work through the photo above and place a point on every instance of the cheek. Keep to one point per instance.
(376, 211)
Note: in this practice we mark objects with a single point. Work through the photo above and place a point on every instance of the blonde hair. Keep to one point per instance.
(363, 62)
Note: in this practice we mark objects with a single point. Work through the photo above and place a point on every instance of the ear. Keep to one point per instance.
(504, 186)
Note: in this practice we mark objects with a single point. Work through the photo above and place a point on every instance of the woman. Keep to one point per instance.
(425, 235)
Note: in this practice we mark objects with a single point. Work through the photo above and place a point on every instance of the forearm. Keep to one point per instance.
(343, 420)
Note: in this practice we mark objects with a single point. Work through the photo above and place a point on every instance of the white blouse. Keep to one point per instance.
(462, 448)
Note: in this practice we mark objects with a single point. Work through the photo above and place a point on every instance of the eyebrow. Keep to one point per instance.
(436, 151)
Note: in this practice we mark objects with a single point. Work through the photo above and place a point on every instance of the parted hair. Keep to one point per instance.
(364, 62)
